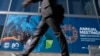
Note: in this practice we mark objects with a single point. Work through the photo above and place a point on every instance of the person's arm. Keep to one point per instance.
(26, 2)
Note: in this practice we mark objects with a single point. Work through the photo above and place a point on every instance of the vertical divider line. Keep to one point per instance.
(39, 7)
(67, 6)
(95, 8)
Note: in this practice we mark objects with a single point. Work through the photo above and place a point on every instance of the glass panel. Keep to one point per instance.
(4, 4)
(2, 20)
(97, 2)
(17, 6)
(64, 4)
(83, 7)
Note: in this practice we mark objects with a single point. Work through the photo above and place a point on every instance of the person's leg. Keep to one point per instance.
(41, 29)
(58, 33)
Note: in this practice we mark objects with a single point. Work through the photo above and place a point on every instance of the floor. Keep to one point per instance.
(39, 54)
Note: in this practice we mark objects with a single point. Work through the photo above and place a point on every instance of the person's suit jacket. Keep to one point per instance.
(46, 7)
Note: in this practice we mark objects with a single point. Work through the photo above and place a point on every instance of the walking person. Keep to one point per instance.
(47, 20)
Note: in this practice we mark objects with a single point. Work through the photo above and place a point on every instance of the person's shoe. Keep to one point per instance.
(64, 54)
(13, 54)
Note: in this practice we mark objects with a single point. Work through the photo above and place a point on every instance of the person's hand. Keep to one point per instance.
(26, 2)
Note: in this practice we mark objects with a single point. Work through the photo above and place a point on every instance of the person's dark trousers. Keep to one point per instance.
(41, 29)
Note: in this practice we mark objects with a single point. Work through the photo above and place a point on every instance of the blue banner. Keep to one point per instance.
(85, 32)
(79, 33)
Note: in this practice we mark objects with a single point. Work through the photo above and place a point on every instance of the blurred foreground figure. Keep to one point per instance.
(48, 19)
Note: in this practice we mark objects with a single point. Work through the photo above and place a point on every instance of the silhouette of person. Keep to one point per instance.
(51, 15)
